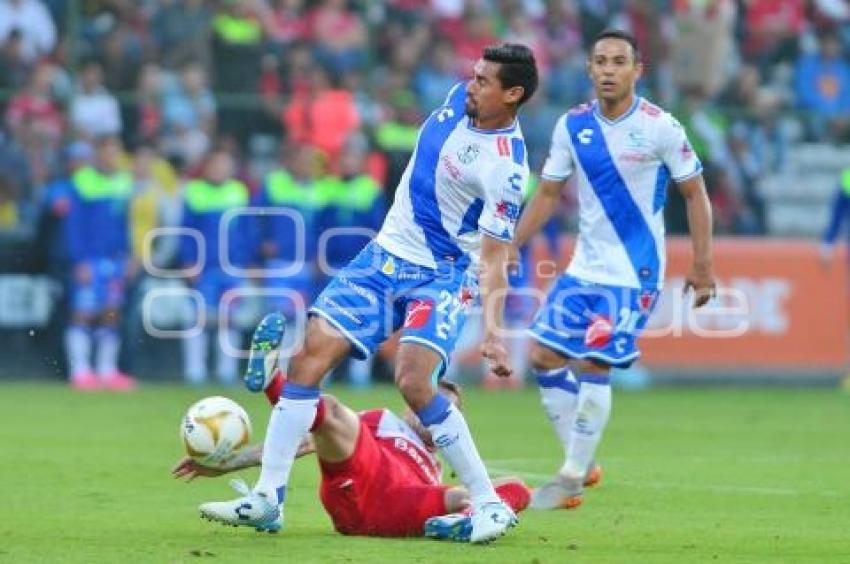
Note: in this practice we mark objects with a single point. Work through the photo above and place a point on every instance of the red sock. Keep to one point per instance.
(276, 388)
(515, 493)
(320, 414)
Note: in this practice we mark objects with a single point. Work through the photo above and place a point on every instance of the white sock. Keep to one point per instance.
(78, 343)
(195, 358)
(594, 407)
(108, 345)
(451, 434)
(289, 423)
(228, 365)
(559, 396)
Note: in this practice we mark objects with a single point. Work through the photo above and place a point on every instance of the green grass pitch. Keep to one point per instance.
(692, 475)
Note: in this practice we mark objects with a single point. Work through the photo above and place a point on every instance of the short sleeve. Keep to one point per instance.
(559, 163)
(676, 151)
(503, 187)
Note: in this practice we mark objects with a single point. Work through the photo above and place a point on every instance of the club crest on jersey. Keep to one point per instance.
(645, 301)
(635, 139)
(468, 153)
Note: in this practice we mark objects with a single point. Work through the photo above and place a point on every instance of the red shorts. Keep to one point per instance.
(376, 493)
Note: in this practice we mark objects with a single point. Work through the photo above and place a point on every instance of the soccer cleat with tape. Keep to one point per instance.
(265, 352)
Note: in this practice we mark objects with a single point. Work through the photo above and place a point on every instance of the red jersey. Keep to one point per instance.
(389, 486)
(401, 443)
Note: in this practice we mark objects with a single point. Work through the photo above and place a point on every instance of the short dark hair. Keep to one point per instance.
(452, 388)
(518, 67)
(618, 34)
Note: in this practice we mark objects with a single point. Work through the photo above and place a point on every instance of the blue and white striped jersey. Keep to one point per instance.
(460, 183)
(622, 170)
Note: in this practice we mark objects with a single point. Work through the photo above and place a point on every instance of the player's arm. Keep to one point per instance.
(701, 276)
(685, 168)
(495, 254)
(247, 457)
(538, 210)
(502, 190)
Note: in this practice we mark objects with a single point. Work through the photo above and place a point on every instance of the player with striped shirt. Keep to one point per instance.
(622, 150)
(447, 234)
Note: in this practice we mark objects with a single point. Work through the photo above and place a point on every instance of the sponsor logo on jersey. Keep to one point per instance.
(507, 210)
(635, 157)
(451, 168)
(389, 266)
(418, 314)
(599, 332)
(585, 136)
(343, 311)
(686, 150)
(411, 451)
(503, 146)
(412, 272)
(650, 109)
(468, 153)
(516, 182)
(364, 293)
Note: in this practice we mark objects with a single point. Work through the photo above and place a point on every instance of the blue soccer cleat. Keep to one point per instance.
(251, 510)
(454, 526)
(264, 352)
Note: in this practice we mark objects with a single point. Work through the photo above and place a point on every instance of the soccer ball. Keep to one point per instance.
(213, 429)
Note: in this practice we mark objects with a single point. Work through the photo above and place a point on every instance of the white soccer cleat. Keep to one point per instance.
(491, 521)
(558, 493)
(251, 510)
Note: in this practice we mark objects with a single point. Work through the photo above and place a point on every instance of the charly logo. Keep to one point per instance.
(468, 153)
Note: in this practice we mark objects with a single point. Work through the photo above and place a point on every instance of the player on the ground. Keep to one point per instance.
(622, 150)
(450, 226)
(379, 475)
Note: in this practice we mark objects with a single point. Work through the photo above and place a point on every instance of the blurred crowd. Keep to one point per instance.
(182, 77)
(180, 110)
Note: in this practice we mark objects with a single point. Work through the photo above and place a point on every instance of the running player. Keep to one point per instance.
(379, 475)
(456, 206)
(622, 150)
